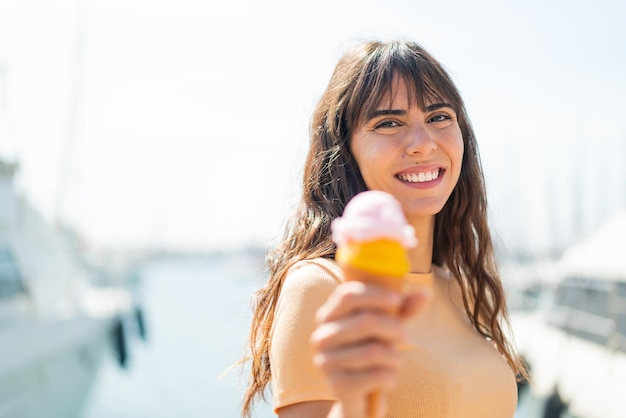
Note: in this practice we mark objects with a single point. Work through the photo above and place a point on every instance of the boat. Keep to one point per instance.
(575, 340)
(56, 322)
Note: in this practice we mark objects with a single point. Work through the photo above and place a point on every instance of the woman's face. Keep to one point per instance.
(415, 155)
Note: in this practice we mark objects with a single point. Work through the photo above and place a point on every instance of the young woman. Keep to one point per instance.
(391, 119)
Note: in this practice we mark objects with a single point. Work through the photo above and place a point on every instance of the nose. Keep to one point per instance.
(420, 141)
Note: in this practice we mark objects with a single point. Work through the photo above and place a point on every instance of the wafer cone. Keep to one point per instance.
(382, 261)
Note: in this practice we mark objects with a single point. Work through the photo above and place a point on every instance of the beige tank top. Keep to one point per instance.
(465, 377)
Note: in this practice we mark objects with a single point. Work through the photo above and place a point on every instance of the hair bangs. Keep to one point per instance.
(379, 83)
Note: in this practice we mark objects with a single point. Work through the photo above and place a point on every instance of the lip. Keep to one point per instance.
(426, 168)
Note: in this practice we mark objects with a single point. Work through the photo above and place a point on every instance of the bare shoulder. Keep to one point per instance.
(311, 409)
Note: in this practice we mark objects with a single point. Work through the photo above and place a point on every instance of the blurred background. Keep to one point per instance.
(151, 150)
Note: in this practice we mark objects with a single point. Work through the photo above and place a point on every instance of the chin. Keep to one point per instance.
(421, 211)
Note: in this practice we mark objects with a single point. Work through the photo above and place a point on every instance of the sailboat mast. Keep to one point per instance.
(67, 162)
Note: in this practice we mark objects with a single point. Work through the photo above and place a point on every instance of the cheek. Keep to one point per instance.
(368, 162)
(364, 153)
(461, 151)
(457, 147)
(456, 151)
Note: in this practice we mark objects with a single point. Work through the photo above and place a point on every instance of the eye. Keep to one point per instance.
(439, 117)
(387, 123)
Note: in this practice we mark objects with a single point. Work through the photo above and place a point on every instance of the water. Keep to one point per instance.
(198, 316)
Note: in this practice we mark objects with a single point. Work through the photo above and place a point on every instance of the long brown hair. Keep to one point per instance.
(362, 78)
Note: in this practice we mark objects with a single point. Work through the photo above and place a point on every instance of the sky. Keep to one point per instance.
(183, 124)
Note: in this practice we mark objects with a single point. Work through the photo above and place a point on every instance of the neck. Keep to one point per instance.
(421, 257)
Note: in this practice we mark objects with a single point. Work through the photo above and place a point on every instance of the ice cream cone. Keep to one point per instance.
(372, 238)
(384, 261)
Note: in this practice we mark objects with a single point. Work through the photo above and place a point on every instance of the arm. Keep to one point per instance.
(295, 379)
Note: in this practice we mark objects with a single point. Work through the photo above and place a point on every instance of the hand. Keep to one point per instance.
(355, 342)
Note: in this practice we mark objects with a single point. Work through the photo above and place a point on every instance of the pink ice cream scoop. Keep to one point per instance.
(373, 215)
(372, 236)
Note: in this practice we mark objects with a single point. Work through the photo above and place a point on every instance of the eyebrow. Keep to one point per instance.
(436, 106)
(387, 112)
(402, 112)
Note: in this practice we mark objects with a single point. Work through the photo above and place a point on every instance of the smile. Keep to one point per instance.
(421, 177)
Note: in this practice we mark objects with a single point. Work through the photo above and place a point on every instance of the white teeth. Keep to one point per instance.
(420, 177)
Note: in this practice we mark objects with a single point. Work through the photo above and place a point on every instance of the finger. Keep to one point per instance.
(350, 297)
(362, 358)
(358, 328)
(352, 385)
